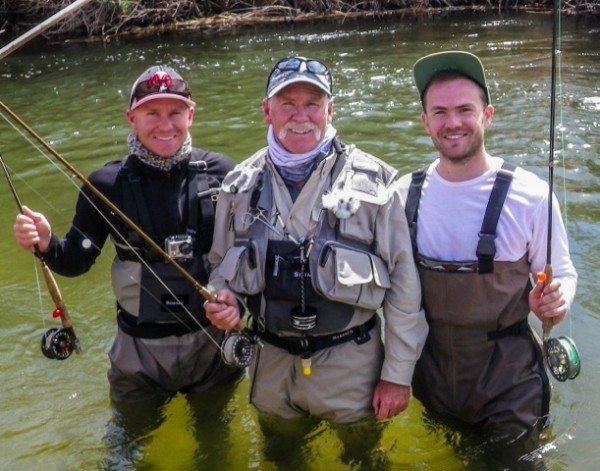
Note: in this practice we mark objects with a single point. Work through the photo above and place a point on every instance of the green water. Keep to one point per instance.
(53, 414)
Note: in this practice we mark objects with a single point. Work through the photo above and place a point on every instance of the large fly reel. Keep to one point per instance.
(562, 358)
(237, 348)
(57, 344)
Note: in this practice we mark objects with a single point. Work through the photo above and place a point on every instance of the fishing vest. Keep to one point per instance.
(309, 287)
(153, 299)
(481, 358)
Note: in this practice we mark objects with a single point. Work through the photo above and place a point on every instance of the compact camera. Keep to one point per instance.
(180, 247)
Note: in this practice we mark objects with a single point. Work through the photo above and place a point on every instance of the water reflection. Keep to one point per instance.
(54, 414)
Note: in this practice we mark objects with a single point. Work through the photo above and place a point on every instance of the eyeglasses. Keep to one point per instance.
(161, 82)
(294, 64)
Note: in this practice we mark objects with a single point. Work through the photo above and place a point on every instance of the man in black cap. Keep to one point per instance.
(164, 343)
(312, 233)
(479, 226)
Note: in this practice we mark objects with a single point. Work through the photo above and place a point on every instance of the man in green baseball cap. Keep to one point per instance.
(478, 227)
(460, 62)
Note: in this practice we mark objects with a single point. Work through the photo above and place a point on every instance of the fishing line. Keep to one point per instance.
(69, 177)
(60, 169)
(39, 292)
(240, 344)
(561, 128)
(56, 343)
(561, 355)
(123, 239)
(127, 244)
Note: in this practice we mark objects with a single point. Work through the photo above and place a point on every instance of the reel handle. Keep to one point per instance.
(238, 348)
(561, 355)
(65, 319)
(546, 277)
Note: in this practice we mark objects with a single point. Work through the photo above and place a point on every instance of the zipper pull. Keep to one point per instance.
(306, 365)
(276, 267)
(231, 216)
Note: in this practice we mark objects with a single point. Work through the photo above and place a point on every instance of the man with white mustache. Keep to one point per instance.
(311, 234)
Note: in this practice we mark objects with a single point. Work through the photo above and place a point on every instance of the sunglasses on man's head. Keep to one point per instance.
(161, 83)
(293, 64)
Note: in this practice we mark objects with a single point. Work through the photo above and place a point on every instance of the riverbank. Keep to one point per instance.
(105, 20)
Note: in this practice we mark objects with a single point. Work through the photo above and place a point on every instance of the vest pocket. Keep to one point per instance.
(241, 269)
(351, 276)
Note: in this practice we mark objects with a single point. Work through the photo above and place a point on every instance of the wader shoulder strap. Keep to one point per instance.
(486, 247)
(134, 203)
(135, 207)
(341, 151)
(201, 209)
(412, 204)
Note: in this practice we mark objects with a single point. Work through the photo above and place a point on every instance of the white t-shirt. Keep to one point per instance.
(451, 213)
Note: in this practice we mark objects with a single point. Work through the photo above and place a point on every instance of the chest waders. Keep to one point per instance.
(481, 363)
(289, 312)
(166, 300)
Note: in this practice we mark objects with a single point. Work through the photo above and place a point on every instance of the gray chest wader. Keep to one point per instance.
(481, 363)
(166, 299)
(289, 303)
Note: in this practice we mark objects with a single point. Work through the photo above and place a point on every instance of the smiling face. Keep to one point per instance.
(455, 116)
(299, 114)
(161, 125)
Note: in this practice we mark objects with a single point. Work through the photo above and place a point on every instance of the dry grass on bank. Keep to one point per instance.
(103, 19)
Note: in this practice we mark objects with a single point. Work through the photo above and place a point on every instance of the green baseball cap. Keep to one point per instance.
(461, 62)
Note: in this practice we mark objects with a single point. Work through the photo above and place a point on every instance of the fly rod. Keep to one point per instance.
(43, 26)
(56, 343)
(202, 290)
(560, 353)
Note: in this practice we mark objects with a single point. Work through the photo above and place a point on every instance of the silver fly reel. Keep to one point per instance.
(237, 349)
(562, 358)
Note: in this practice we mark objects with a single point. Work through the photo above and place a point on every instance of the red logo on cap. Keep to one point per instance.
(160, 79)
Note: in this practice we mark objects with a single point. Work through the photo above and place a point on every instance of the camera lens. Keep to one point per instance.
(185, 248)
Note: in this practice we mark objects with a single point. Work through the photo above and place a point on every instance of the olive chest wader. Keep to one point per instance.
(481, 364)
(166, 300)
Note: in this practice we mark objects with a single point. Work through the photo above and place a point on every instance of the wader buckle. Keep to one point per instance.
(486, 250)
(363, 335)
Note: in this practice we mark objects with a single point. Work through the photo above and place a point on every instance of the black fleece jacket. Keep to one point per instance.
(165, 194)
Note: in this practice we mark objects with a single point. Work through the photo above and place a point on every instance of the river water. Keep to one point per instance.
(53, 414)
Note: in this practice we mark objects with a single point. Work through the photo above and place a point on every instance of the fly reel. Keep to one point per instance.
(562, 358)
(237, 349)
(57, 344)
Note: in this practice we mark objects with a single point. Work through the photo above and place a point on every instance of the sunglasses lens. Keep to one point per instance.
(285, 67)
(161, 84)
(316, 67)
(291, 63)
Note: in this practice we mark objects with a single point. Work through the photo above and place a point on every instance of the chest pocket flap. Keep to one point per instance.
(352, 276)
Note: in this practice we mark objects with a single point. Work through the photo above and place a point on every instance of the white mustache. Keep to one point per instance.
(301, 128)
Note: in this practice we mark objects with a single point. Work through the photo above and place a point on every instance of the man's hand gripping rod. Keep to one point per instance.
(202, 290)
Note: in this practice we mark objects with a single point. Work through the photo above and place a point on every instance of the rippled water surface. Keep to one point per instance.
(53, 414)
